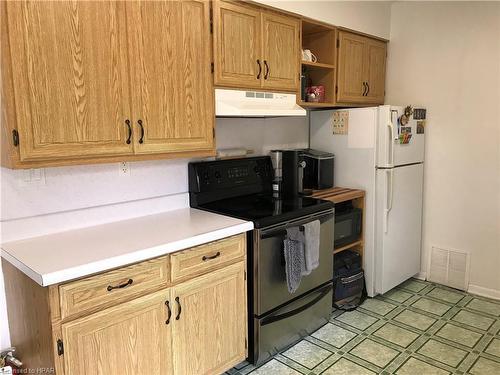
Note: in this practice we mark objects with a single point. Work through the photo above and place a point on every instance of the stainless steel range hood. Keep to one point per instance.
(237, 103)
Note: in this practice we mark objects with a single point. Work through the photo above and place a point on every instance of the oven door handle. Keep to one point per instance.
(281, 228)
(274, 318)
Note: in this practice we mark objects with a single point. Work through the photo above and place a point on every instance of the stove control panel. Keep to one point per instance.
(226, 174)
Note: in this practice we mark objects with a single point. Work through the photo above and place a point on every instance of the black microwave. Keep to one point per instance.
(348, 225)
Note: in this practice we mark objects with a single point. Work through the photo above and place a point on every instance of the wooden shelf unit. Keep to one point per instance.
(318, 65)
(321, 40)
(339, 195)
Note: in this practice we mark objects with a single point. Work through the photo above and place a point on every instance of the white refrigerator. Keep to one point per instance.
(382, 155)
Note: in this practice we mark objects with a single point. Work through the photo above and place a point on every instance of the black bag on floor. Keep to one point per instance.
(349, 289)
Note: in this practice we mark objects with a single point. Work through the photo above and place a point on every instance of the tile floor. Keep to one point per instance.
(416, 328)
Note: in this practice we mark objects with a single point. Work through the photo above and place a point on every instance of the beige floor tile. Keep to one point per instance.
(473, 320)
(415, 320)
(357, 319)
(371, 351)
(494, 348)
(417, 367)
(459, 335)
(446, 295)
(275, 367)
(307, 354)
(485, 366)
(377, 306)
(334, 335)
(413, 285)
(398, 295)
(484, 306)
(396, 335)
(431, 306)
(346, 367)
(442, 352)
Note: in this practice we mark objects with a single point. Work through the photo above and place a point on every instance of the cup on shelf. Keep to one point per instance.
(307, 55)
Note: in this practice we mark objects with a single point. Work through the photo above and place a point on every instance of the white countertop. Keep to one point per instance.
(64, 256)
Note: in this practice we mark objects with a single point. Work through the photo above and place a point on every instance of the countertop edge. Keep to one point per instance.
(126, 259)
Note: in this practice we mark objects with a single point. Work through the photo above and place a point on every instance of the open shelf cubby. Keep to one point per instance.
(321, 40)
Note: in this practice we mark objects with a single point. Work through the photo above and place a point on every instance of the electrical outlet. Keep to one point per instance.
(124, 169)
(32, 177)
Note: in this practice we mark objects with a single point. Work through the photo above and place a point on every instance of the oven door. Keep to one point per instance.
(288, 324)
(269, 281)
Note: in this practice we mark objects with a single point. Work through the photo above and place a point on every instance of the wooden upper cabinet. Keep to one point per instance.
(172, 87)
(131, 338)
(209, 335)
(70, 78)
(255, 48)
(237, 45)
(361, 69)
(351, 75)
(280, 51)
(377, 53)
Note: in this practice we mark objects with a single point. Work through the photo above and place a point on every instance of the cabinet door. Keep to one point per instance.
(280, 52)
(70, 71)
(376, 56)
(209, 335)
(131, 338)
(351, 65)
(172, 89)
(237, 45)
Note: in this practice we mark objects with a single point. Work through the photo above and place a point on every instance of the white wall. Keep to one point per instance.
(446, 57)
(371, 17)
(95, 189)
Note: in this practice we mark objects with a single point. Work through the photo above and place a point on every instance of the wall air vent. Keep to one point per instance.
(449, 267)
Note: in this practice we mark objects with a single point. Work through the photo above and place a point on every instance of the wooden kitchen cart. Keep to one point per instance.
(339, 195)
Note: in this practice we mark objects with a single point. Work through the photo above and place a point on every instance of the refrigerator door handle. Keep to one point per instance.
(389, 173)
(390, 148)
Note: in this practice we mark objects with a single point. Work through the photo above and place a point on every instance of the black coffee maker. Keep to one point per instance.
(293, 165)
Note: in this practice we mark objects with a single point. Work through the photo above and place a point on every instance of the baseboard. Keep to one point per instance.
(484, 292)
(421, 275)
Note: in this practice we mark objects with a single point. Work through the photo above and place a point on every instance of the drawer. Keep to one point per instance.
(110, 288)
(203, 258)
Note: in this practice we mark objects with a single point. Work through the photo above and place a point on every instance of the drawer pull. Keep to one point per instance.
(169, 312)
(205, 258)
(180, 308)
(129, 282)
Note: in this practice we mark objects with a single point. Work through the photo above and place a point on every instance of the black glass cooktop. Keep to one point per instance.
(264, 210)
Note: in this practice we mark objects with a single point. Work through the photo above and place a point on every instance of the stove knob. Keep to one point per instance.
(217, 175)
(206, 176)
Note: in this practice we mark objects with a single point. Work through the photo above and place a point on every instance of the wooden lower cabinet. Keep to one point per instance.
(210, 334)
(194, 326)
(131, 338)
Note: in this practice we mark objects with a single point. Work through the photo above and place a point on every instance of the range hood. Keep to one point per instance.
(237, 103)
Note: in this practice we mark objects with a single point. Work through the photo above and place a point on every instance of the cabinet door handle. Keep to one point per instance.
(267, 69)
(368, 88)
(364, 88)
(120, 286)
(141, 138)
(127, 122)
(260, 69)
(169, 312)
(205, 258)
(180, 308)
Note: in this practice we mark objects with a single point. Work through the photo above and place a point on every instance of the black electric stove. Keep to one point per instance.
(264, 210)
(242, 188)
